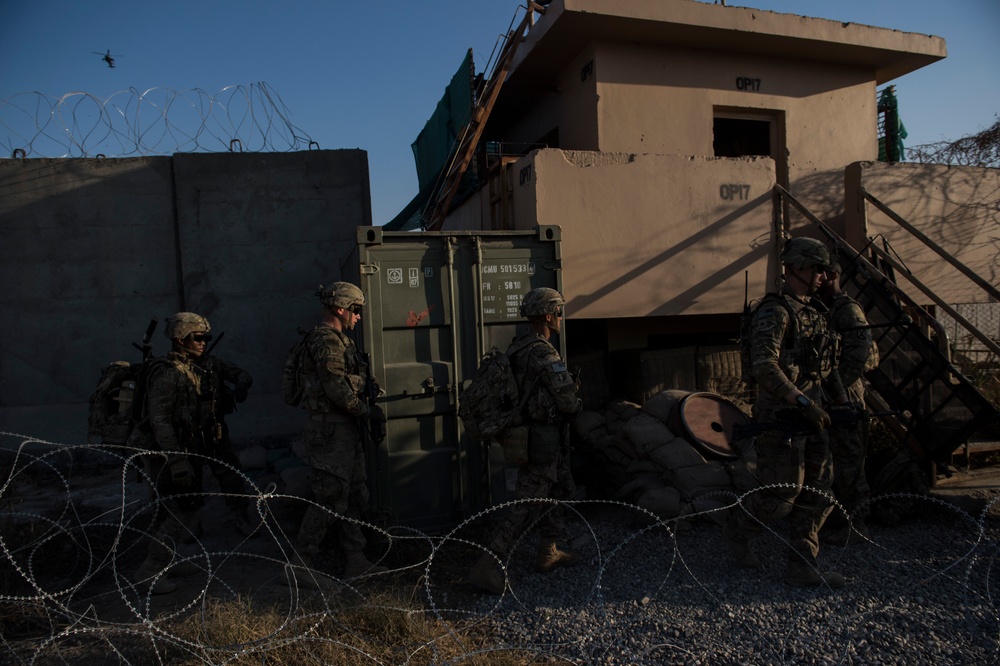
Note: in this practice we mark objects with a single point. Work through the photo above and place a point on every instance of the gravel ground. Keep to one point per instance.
(645, 592)
(919, 593)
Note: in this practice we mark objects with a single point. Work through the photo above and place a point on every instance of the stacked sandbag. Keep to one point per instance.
(655, 467)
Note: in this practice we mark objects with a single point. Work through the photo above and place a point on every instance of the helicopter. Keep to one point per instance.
(107, 57)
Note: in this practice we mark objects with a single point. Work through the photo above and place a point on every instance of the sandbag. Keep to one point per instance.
(589, 426)
(639, 466)
(711, 508)
(664, 501)
(619, 413)
(676, 454)
(701, 479)
(646, 433)
(253, 456)
(640, 485)
(660, 405)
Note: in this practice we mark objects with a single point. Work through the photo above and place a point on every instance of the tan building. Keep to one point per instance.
(653, 132)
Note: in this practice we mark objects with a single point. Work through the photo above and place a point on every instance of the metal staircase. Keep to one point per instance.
(939, 408)
(465, 148)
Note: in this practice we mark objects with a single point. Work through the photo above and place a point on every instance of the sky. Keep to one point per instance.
(367, 74)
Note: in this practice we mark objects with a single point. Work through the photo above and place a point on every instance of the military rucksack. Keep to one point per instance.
(112, 404)
(493, 401)
(746, 330)
(117, 403)
(292, 382)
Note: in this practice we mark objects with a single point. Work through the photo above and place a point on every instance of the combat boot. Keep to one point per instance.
(549, 557)
(801, 574)
(486, 575)
(739, 547)
(358, 565)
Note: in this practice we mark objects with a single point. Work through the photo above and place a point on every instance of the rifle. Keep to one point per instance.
(214, 343)
(375, 428)
(147, 346)
(790, 422)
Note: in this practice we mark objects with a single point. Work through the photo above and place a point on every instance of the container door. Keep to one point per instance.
(437, 301)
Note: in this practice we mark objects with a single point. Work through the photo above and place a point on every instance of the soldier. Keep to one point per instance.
(222, 400)
(333, 374)
(791, 353)
(174, 425)
(540, 370)
(848, 439)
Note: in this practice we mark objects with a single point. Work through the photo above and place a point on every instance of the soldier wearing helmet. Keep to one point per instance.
(179, 427)
(792, 357)
(333, 372)
(848, 440)
(551, 400)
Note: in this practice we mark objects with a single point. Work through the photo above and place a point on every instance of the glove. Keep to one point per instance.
(181, 471)
(240, 394)
(376, 414)
(815, 415)
(363, 414)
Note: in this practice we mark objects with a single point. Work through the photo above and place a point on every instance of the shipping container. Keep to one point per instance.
(437, 302)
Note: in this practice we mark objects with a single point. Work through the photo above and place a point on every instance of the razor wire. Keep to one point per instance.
(156, 121)
(76, 519)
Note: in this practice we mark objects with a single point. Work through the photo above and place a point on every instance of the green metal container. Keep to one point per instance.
(437, 302)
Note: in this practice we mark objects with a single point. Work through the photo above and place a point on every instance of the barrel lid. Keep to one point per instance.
(707, 422)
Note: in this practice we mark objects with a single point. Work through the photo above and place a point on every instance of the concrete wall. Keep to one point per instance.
(653, 235)
(958, 208)
(92, 249)
(658, 100)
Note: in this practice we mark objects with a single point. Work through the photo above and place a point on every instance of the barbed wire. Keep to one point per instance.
(157, 121)
(75, 521)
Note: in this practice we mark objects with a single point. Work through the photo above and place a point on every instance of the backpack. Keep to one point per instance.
(292, 383)
(117, 404)
(493, 402)
(746, 329)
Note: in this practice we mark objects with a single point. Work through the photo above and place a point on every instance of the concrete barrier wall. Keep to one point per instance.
(90, 250)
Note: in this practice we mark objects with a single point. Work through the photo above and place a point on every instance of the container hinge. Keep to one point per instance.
(368, 269)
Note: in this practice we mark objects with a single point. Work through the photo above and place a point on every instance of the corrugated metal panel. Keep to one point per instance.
(438, 301)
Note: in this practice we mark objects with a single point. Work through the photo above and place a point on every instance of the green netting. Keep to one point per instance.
(893, 129)
(436, 140)
(435, 144)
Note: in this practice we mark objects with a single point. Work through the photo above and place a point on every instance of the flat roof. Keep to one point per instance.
(569, 25)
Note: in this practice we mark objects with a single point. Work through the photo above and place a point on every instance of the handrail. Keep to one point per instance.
(919, 235)
(845, 248)
(966, 324)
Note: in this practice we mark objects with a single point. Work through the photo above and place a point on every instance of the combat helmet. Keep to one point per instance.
(802, 253)
(340, 295)
(183, 324)
(541, 301)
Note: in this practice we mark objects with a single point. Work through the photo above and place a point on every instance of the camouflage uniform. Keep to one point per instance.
(785, 356)
(220, 400)
(176, 425)
(547, 473)
(333, 373)
(551, 398)
(847, 440)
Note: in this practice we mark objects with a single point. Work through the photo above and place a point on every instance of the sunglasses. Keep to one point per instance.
(201, 337)
(355, 309)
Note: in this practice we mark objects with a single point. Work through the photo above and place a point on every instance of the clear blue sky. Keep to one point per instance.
(367, 74)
